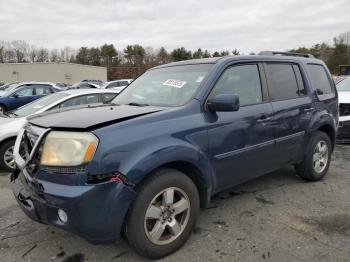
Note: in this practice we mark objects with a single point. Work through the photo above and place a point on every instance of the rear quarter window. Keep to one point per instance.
(319, 79)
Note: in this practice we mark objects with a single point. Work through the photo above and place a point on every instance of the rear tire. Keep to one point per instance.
(317, 158)
(6, 156)
(163, 215)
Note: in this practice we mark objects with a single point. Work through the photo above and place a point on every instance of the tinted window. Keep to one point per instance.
(111, 85)
(107, 97)
(80, 100)
(283, 83)
(242, 80)
(319, 79)
(26, 91)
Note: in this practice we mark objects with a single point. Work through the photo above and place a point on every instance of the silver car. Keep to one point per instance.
(12, 122)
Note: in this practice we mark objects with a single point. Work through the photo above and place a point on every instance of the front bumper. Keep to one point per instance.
(95, 212)
(343, 134)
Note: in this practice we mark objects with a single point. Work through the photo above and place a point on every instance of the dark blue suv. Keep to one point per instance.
(180, 133)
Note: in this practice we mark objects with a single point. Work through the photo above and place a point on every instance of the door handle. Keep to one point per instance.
(264, 119)
(308, 109)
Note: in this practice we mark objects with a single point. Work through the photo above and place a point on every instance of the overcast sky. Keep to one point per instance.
(249, 26)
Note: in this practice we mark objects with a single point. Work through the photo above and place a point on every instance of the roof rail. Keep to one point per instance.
(285, 54)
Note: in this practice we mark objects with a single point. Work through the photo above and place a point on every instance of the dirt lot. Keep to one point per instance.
(275, 218)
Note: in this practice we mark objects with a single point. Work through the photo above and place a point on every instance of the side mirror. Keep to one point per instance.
(15, 95)
(224, 103)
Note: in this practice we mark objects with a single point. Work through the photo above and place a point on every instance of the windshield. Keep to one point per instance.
(169, 86)
(344, 85)
(37, 105)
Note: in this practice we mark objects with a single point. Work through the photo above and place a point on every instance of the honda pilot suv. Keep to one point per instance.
(145, 164)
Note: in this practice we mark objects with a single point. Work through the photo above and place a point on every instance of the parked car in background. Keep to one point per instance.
(117, 84)
(24, 93)
(93, 81)
(8, 85)
(83, 85)
(12, 122)
(344, 110)
(177, 135)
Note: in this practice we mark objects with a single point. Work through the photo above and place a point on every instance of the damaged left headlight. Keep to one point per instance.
(68, 148)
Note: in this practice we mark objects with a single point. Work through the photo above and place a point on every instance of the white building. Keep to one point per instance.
(51, 72)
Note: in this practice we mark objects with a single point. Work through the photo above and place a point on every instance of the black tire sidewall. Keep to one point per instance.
(135, 232)
(3, 149)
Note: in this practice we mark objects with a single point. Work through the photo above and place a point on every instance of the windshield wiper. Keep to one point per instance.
(137, 104)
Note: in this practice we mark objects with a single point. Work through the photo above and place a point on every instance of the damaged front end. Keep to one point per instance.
(67, 197)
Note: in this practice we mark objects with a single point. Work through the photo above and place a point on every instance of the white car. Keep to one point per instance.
(343, 88)
(118, 85)
(12, 122)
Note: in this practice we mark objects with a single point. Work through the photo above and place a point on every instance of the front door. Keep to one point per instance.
(241, 143)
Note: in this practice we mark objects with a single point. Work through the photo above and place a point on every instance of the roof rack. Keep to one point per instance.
(286, 54)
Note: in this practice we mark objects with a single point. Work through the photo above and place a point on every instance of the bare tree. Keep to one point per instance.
(33, 53)
(54, 57)
(42, 55)
(20, 49)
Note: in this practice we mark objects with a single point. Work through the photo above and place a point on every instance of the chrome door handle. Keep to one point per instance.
(264, 119)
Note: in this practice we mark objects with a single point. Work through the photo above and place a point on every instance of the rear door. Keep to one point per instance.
(292, 106)
(41, 91)
(241, 143)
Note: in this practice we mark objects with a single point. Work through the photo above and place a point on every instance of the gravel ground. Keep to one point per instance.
(277, 217)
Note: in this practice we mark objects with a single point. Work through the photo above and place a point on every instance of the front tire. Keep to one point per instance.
(317, 158)
(163, 215)
(2, 109)
(7, 161)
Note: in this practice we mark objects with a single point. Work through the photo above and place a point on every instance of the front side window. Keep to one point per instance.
(319, 79)
(26, 91)
(283, 83)
(167, 86)
(243, 80)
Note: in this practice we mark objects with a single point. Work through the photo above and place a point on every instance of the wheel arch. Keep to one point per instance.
(330, 131)
(193, 171)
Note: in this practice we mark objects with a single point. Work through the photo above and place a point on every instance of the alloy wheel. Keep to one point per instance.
(8, 157)
(320, 156)
(167, 216)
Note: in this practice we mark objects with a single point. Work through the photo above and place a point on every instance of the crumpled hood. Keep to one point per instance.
(91, 117)
(344, 97)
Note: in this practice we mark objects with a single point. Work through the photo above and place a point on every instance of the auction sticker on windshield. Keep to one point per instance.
(174, 83)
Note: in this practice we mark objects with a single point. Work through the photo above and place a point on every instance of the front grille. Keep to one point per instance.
(344, 109)
(64, 170)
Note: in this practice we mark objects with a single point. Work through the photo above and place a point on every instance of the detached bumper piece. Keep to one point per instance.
(94, 212)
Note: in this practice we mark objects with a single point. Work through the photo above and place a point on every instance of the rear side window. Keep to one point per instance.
(319, 79)
(283, 82)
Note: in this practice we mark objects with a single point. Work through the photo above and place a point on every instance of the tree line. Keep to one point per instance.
(333, 55)
(20, 51)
